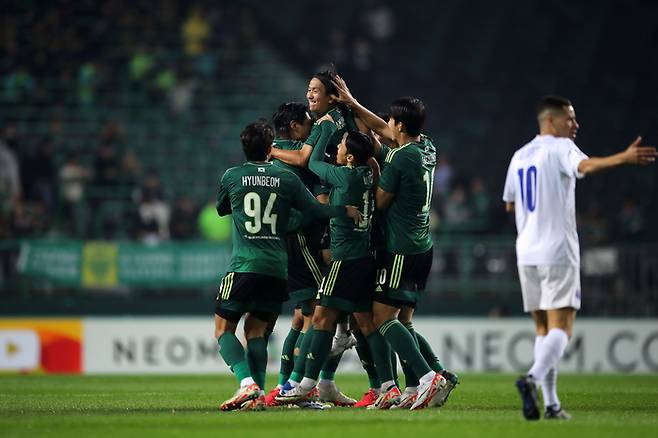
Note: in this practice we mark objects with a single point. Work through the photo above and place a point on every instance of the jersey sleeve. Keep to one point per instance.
(392, 173)
(569, 157)
(305, 202)
(325, 171)
(223, 204)
(509, 192)
(314, 136)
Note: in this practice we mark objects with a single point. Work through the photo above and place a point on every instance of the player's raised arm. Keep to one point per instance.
(316, 164)
(304, 201)
(370, 119)
(635, 154)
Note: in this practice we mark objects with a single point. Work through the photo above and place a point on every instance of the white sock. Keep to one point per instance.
(341, 329)
(293, 383)
(427, 377)
(549, 389)
(325, 382)
(550, 353)
(246, 382)
(307, 383)
(387, 385)
(539, 340)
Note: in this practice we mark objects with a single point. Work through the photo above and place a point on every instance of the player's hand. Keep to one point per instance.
(344, 95)
(354, 213)
(640, 155)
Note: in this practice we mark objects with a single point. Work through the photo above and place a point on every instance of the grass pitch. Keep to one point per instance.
(186, 406)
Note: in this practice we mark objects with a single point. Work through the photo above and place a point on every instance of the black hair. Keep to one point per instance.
(552, 103)
(359, 145)
(411, 112)
(383, 115)
(256, 140)
(327, 77)
(286, 114)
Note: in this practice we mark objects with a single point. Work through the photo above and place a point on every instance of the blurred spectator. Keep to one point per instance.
(361, 53)
(19, 85)
(153, 212)
(87, 82)
(593, 225)
(130, 175)
(480, 202)
(183, 224)
(630, 220)
(141, 64)
(106, 166)
(72, 180)
(443, 174)
(457, 212)
(164, 82)
(10, 189)
(212, 226)
(38, 172)
(380, 20)
(196, 31)
(113, 133)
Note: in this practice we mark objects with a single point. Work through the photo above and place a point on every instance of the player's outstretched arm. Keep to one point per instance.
(370, 119)
(635, 154)
(297, 158)
(305, 202)
(324, 171)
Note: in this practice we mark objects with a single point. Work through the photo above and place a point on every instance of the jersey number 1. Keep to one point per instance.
(252, 208)
(529, 197)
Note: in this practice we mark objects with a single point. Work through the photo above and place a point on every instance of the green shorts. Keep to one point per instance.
(349, 285)
(401, 279)
(242, 292)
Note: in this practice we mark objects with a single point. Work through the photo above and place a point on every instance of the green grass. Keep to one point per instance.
(482, 406)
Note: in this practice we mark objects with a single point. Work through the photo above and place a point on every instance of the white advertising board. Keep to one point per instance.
(186, 345)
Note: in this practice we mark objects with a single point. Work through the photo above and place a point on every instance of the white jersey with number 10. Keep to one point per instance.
(541, 182)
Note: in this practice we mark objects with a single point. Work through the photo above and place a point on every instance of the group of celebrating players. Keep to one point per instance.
(365, 269)
(334, 215)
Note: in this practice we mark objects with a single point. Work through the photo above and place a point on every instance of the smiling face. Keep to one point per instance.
(318, 100)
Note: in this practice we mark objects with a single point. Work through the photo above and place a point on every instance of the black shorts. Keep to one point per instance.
(402, 279)
(304, 274)
(349, 285)
(242, 292)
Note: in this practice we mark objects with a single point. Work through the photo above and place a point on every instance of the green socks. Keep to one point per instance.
(330, 366)
(287, 355)
(320, 347)
(404, 345)
(257, 357)
(428, 354)
(300, 362)
(381, 353)
(233, 354)
(365, 356)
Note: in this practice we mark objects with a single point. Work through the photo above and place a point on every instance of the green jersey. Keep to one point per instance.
(408, 173)
(343, 121)
(260, 197)
(308, 178)
(349, 186)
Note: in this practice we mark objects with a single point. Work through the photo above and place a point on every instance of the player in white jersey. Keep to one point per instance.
(540, 189)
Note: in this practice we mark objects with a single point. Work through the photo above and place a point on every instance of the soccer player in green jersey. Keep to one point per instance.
(259, 196)
(404, 193)
(349, 285)
(292, 124)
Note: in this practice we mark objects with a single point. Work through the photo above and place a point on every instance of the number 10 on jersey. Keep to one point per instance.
(529, 195)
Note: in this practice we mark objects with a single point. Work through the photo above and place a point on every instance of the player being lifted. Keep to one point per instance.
(259, 196)
(404, 193)
(350, 282)
(540, 189)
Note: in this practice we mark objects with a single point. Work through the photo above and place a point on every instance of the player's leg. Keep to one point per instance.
(324, 320)
(410, 379)
(531, 293)
(255, 327)
(289, 346)
(405, 273)
(230, 306)
(364, 327)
